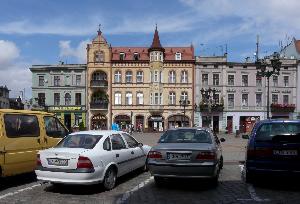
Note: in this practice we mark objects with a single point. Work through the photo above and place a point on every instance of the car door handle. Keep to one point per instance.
(132, 152)
(117, 155)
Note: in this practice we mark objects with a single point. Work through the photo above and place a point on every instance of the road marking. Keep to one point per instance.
(127, 194)
(19, 191)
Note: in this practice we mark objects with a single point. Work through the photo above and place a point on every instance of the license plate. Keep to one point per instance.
(178, 156)
(58, 162)
(285, 152)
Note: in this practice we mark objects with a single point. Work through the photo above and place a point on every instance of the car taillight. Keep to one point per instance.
(84, 163)
(206, 156)
(263, 151)
(38, 160)
(154, 155)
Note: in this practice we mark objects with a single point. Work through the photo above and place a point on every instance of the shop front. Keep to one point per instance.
(123, 121)
(175, 121)
(247, 123)
(99, 122)
(70, 115)
(155, 123)
(139, 123)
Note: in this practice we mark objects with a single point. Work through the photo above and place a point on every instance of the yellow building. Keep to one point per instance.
(149, 87)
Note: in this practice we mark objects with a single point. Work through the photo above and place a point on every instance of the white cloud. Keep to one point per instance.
(79, 52)
(9, 52)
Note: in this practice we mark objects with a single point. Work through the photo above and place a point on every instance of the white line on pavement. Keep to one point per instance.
(127, 194)
(19, 191)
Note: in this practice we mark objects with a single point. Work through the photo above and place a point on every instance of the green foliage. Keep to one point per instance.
(81, 126)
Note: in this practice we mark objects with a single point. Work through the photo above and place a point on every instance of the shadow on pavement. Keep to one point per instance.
(88, 189)
(14, 181)
(278, 183)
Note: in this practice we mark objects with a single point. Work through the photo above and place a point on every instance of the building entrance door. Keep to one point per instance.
(67, 120)
(216, 124)
(229, 124)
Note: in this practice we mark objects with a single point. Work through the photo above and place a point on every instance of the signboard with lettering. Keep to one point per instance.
(66, 108)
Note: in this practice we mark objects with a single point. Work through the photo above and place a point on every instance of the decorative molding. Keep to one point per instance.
(231, 90)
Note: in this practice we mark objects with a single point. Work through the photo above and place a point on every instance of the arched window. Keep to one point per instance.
(139, 98)
(172, 98)
(128, 100)
(118, 98)
(184, 96)
(184, 77)
(139, 76)
(67, 99)
(172, 77)
(128, 77)
(118, 77)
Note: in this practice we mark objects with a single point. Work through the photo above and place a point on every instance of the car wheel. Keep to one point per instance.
(110, 178)
(248, 176)
(215, 180)
(158, 181)
(221, 162)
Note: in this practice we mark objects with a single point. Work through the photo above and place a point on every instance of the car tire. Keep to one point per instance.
(221, 162)
(215, 180)
(158, 181)
(110, 178)
(249, 176)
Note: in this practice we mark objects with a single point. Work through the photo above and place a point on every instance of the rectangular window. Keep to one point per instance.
(56, 99)
(244, 80)
(56, 80)
(172, 77)
(140, 98)
(204, 79)
(172, 98)
(184, 77)
(156, 76)
(151, 98)
(156, 99)
(21, 125)
(128, 77)
(286, 80)
(259, 100)
(41, 81)
(118, 98)
(118, 77)
(178, 56)
(78, 80)
(244, 99)
(136, 56)
(230, 80)
(258, 81)
(216, 79)
(128, 99)
(230, 100)
(285, 99)
(275, 98)
(78, 99)
(216, 98)
(41, 99)
(122, 56)
(139, 77)
(275, 80)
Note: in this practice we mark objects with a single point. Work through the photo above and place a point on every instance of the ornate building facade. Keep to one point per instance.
(151, 88)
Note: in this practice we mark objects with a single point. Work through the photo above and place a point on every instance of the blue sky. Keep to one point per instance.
(47, 31)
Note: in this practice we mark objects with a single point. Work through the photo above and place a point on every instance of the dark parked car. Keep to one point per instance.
(186, 153)
(273, 149)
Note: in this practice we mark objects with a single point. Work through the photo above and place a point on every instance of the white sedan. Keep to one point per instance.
(90, 157)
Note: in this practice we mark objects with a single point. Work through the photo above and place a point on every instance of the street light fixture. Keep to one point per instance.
(261, 66)
(184, 103)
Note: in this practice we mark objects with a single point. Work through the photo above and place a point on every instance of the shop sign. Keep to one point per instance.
(66, 108)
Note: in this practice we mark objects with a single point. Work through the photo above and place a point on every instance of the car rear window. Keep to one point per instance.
(185, 136)
(267, 132)
(85, 141)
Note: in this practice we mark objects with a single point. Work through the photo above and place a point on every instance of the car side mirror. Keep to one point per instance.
(222, 140)
(245, 136)
(140, 145)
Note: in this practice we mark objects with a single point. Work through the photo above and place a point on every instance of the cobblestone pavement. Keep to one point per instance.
(139, 187)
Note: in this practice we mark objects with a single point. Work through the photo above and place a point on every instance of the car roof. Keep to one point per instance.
(278, 121)
(191, 128)
(24, 111)
(97, 132)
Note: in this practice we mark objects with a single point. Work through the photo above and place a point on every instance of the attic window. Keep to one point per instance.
(178, 56)
(122, 56)
(136, 56)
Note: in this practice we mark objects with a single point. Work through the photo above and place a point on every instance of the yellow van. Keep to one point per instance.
(22, 134)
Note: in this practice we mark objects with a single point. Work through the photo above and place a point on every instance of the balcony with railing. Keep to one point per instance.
(102, 105)
(287, 108)
(211, 108)
(99, 83)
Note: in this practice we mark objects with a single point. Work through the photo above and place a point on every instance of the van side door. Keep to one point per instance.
(22, 141)
(54, 131)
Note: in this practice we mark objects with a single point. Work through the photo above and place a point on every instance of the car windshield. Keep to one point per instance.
(268, 131)
(185, 136)
(85, 141)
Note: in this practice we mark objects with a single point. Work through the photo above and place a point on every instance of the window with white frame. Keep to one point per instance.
(136, 56)
(286, 80)
(139, 77)
(184, 96)
(160, 99)
(118, 98)
(258, 81)
(78, 80)
(285, 99)
(172, 76)
(258, 100)
(41, 81)
(230, 100)
(128, 98)
(161, 56)
(151, 98)
(216, 79)
(178, 56)
(139, 98)
(56, 99)
(275, 98)
(275, 80)
(67, 99)
(156, 76)
(118, 76)
(244, 99)
(244, 80)
(122, 56)
(230, 80)
(56, 80)
(204, 79)
(156, 99)
(128, 77)
(184, 77)
(216, 98)
(172, 98)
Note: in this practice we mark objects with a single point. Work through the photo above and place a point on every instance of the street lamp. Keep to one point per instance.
(261, 66)
(183, 103)
(209, 98)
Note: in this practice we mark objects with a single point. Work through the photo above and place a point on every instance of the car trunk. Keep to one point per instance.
(63, 158)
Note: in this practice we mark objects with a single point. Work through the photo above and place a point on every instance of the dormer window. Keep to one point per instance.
(122, 56)
(178, 56)
(156, 56)
(136, 56)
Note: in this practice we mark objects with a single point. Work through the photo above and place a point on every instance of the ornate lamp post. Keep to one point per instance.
(208, 97)
(184, 103)
(261, 66)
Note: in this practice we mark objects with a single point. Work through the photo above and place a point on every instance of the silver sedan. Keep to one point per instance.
(186, 153)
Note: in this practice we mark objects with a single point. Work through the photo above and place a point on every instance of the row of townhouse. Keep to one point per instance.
(156, 88)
